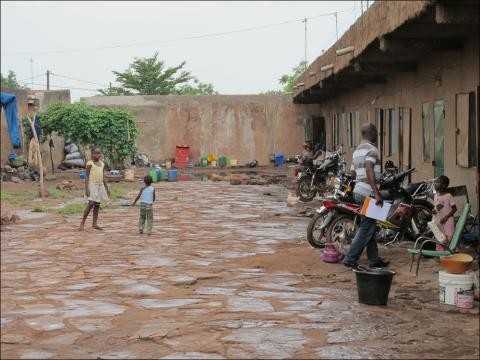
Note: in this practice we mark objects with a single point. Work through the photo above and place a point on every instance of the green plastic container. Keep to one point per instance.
(222, 161)
(204, 161)
(160, 175)
(153, 174)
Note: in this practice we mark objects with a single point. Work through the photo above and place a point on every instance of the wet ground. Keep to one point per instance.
(227, 273)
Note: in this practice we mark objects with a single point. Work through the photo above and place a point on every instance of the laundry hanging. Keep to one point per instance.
(9, 104)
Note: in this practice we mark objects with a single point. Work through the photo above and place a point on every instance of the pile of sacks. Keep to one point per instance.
(73, 157)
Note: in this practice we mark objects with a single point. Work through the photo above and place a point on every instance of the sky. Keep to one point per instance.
(65, 37)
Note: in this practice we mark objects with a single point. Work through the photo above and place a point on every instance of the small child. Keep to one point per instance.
(147, 197)
(96, 189)
(444, 209)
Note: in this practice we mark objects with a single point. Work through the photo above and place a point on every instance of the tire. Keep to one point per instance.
(303, 190)
(340, 232)
(316, 237)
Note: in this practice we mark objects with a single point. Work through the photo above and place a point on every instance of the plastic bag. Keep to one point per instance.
(437, 232)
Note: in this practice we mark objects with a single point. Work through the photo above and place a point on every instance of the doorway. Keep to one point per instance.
(404, 141)
(315, 131)
(438, 142)
(379, 124)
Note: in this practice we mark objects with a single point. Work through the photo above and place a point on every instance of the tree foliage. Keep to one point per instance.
(149, 76)
(10, 81)
(288, 81)
(113, 130)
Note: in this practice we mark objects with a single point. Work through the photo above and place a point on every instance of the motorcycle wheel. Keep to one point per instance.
(341, 232)
(421, 217)
(315, 236)
(303, 189)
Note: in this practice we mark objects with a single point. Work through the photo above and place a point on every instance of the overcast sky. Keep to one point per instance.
(246, 62)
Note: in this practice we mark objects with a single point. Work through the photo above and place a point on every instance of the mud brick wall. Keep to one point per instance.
(46, 98)
(241, 127)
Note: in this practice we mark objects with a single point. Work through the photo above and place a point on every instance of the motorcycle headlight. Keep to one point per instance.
(336, 183)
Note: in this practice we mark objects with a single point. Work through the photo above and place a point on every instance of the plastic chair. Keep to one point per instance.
(457, 234)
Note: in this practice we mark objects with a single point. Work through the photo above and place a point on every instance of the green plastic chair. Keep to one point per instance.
(457, 234)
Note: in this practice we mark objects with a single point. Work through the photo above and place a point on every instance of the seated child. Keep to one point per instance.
(444, 209)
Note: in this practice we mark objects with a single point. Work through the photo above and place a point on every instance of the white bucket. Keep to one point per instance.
(168, 164)
(449, 285)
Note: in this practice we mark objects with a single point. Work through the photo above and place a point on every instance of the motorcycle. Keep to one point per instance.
(336, 220)
(318, 178)
(343, 188)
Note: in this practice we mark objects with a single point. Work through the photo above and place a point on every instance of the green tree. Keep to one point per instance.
(113, 130)
(11, 81)
(149, 76)
(288, 81)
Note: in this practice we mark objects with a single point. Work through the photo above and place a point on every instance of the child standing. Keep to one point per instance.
(96, 189)
(444, 209)
(147, 197)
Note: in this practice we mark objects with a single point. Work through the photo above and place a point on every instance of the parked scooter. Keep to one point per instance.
(336, 220)
(343, 188)
(317, 178)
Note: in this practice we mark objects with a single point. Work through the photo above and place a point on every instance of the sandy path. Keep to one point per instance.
(226, 274)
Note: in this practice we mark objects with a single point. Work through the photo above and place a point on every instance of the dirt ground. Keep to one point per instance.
(227, 273)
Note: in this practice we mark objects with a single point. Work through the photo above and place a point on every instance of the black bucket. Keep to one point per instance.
(373, 285)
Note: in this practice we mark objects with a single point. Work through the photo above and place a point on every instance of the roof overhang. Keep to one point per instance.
(390, 37)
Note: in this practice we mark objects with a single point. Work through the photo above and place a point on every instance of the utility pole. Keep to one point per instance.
(31, 70)
(48, 80)
(336, 23)
(305, 21)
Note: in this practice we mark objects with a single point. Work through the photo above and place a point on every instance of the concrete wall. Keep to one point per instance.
(242, 127)
(459, 73)
(46, 99)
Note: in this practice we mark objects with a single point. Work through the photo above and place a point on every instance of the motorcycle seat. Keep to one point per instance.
(386, 195)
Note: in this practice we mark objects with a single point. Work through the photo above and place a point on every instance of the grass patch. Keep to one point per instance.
(117, 192)
(71, 209)
(55, 193)
(17, 198)
(40, 208)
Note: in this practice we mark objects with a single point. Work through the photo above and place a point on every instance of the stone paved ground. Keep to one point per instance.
(226, 274)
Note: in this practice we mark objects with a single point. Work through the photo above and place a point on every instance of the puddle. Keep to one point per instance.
(81, 286)
(280, 295)
(193, 355)
(156, 261)
(37, 354)
(91, 324)
(271, 342)
(215, 291)
(157, 304)
(182, 279)
(79, 308)
(45, 323)
(118, 355)
(243, 323)
(140, 289)
(249, 305)
(34, 310)
(355, 352)
(27, 214)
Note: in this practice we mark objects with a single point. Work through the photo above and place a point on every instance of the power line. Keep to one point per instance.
(71, 78)
(65, 87)
(178, 39)
(30, 78)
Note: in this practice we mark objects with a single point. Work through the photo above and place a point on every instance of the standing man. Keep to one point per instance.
(366, 165)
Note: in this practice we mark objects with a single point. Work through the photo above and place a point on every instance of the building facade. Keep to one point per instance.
(412, 68)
